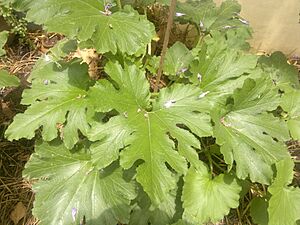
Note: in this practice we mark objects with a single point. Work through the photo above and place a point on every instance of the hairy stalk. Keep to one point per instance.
(165, 44)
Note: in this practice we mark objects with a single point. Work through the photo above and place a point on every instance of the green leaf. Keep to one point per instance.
(62, 48)
(57, 103)
(258, 210)
(237, 38)
(294, 127)
(151, 131)
(284, 204)
(249, 135)
(138, 3)
(3, 39)
(112, 137)
(122, 30)
(208, 199)
(144, 213)
(181, 222)
(178, 58)
(291, 104)
(279, 70)
(256, 96)
(7, 80)
(131, 94)
(70, 187)
(153, 145)
(16, 4)
(219, 69)
(208, 16)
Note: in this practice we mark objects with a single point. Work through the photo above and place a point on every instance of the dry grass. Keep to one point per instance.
(13, 189)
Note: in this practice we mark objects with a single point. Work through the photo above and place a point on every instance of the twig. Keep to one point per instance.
(165, 44)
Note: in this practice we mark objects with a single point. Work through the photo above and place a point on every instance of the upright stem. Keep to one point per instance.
(119, 4)
(165, 44)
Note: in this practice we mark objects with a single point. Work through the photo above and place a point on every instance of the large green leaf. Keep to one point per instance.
(57, 103)
(208, 199)
(3, 39)
(124, 30)
(70, 187)
(7, 80)
(220, 69)
(151, 131)
(281, 72)
(284, 204)
(249, 135)
(209, 17)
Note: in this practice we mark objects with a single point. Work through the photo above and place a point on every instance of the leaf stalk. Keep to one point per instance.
(165, 44)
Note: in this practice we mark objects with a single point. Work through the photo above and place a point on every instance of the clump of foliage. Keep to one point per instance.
(110, 149)
(15, 20)
(8, 10)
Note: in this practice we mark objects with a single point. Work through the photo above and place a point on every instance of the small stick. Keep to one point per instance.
(165, 44)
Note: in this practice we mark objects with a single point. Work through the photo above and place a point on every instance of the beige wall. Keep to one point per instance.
(275, 24)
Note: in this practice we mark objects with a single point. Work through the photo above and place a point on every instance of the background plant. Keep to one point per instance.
(111, 150)
(14, 19)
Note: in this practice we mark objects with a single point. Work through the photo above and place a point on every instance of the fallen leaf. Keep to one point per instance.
(18, 213)
(5, 108)
(90, 57)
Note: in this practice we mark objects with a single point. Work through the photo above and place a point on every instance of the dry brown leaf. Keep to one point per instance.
(18, 213)
(90, 57)
(4, 107)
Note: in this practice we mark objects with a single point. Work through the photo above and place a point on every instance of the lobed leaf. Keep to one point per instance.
(207, 199)
(57, 103)
(219, 69)
(208, 17)
(280, 72)
(150, 130)
(70, 187)
(132, 91)
(284, 204)
(246, 132)
(291, 104)
(123, 30)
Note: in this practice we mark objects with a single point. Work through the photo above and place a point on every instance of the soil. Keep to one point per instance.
(15, 191)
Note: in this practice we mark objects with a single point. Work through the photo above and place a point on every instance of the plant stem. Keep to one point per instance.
(165, 44)
(210, 162)
(119, 4)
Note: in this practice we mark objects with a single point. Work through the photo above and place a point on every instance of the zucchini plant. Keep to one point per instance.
(122, 147)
